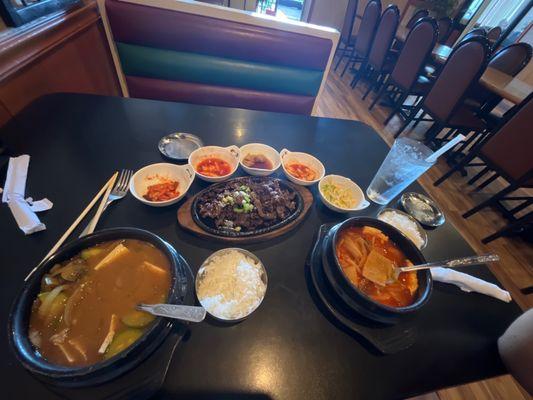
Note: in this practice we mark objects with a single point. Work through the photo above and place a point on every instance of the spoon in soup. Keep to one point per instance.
(175, 311)
(387, 273)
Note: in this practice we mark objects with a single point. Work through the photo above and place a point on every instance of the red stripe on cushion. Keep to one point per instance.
(159, 89)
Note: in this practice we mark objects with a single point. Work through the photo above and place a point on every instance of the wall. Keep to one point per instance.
(328, 13)
(66, 53)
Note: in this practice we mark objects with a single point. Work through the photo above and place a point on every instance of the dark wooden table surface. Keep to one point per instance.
(288, 349)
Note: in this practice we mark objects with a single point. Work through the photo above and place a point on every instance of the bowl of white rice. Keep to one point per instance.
(406, 224)
(231, 284)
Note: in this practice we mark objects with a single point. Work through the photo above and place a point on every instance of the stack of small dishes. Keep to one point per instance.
(301, 168)
(215, 163)
(161, 184)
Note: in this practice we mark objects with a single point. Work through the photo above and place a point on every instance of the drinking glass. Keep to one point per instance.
(405, 162)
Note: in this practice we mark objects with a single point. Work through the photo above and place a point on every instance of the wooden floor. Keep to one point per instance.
(455, 197)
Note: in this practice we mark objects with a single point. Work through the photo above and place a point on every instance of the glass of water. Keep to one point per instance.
(405, 162)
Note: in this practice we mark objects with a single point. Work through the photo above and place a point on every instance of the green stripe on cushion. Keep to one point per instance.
(190, 67)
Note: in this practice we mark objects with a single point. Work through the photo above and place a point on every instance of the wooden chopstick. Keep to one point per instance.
(96, 217)
(107, 186)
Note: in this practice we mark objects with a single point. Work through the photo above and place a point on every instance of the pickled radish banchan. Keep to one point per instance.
(85, 312)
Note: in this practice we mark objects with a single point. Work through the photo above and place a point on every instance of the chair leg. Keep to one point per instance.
(432, 132)
(478, 175)
(380, 94)
(487, 182)
(508, 229)
(397, 107)
(338, 62)
(493, 200)
(407, 122)
(458, 167)
(420, 120)
(371, 83)
(361, 72)
(351, 60)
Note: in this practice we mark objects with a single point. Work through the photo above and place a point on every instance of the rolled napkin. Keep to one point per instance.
(469, 283)
(13, 194)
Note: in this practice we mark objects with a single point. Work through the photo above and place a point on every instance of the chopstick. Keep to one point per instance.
(106, 187)
(96, 217)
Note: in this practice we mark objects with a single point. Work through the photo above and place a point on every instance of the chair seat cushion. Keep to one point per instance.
(464, 117)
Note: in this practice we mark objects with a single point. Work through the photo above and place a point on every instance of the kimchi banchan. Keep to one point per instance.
(368, 256)
(86, 309)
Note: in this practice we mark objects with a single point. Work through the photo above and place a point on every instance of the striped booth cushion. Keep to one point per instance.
(198, 53)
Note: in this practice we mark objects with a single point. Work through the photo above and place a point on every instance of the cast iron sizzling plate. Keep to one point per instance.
(388, 339)
(209, 226)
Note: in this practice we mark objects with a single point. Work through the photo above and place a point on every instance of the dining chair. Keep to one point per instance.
(474, 32)
(510, 60)
(443, 103)
(385, 35)
(365, 35)
(417, 47)
(418, 14)
(505, 153)
(494, 34)
(445, 27)
(347, 39)
(178, 51)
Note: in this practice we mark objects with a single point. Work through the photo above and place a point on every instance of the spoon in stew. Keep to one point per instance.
(175, 311)
(392, 273)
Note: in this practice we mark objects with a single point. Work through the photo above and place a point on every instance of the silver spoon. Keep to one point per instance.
(453, 263)
(184, 313)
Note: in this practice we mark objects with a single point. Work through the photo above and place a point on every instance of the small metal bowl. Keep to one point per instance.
(179, 145)
(422, 208)
(200, 274)
(421, 230)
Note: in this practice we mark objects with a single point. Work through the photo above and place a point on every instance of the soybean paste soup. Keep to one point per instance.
(85, 311)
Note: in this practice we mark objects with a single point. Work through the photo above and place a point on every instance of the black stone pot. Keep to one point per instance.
(72, 378)
(351, 295)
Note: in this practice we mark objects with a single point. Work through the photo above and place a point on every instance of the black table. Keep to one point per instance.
(288, 349)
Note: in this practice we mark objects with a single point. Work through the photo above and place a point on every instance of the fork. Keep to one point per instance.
(118, 192)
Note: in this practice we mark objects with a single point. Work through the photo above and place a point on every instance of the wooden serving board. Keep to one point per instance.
(186, 221)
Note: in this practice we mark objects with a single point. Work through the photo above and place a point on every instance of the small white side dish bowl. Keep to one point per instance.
(139, 182)
(361, 202)
(229, 154)
(289, 157)
(259, 148)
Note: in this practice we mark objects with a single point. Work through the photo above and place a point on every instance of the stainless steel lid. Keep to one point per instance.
(422, 208)
(179, 145)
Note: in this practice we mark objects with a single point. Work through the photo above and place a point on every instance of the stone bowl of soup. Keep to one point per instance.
(74, 323)
(358, 257)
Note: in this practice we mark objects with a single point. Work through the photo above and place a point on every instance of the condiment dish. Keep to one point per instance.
(260, 149)
(347, 184)
(183, 174)
(230, 155)
(290, 157)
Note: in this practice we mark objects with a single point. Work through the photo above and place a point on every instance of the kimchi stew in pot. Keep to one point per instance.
(86, 309)
(368, 259)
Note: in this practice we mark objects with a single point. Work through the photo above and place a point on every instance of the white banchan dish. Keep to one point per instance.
(140, 181)
(348, 184)
(288, 157)
(259, 148)
(230, 154)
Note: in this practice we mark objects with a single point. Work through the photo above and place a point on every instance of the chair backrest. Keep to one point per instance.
(367, 29)
(418, 44)
(494, 34)
(510, 147)
(474, 32)
(416, 16)
(464, 67)
(511, 59)
(349, 20)
(198, 53)
(445, 25)
(384, 36)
